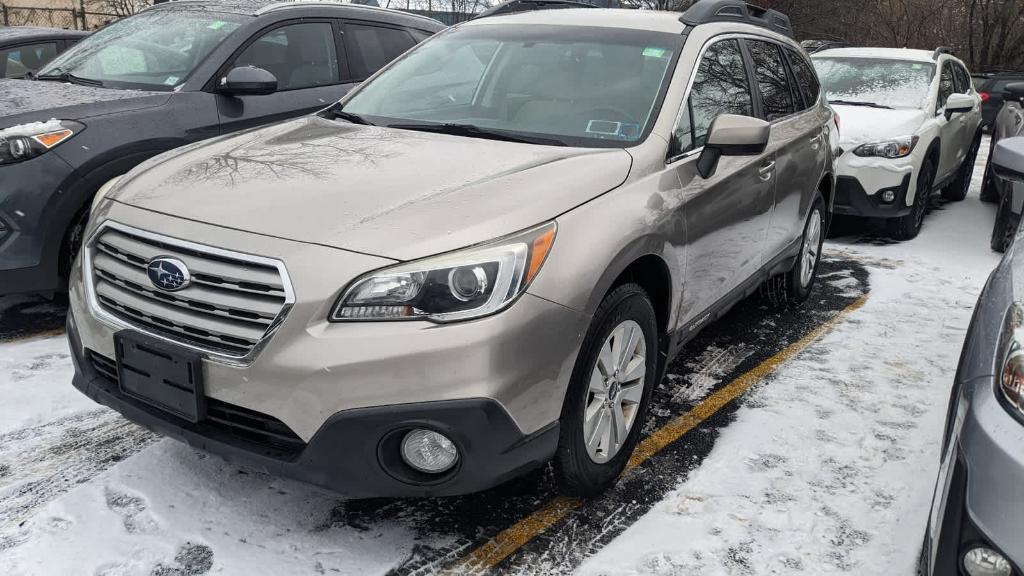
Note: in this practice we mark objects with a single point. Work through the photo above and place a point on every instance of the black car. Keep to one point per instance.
(171, 75)
(25, 49)
(992, 88)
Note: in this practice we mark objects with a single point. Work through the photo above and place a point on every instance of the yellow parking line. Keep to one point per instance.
(506, 542)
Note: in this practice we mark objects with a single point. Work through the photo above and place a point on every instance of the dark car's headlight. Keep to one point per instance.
(1011, 376)
(459, 285)
(894, 148)
(20, 143)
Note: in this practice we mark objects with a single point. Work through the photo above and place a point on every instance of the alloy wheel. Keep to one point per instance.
(615, 391)
(811, 248)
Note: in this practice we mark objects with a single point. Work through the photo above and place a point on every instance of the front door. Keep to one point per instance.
(311, 74)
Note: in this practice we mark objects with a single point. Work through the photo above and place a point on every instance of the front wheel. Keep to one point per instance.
(957, 190)
(989, 193)
(907, 227)
(794, 286)
(606, 404)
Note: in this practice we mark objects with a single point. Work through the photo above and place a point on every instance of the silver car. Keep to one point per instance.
(478, 262)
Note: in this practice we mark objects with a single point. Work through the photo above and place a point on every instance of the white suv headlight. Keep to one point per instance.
(460, 285)
(894, 148)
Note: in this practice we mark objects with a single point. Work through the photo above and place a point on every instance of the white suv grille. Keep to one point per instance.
(230, 305)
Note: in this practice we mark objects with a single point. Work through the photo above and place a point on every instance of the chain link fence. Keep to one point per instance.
(66, 18)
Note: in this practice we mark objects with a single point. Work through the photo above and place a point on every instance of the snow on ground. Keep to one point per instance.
(831, 463)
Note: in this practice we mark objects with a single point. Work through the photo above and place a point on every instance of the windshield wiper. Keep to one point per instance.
(858, 103)
(71, 79)
(474, 131)
(336, 111)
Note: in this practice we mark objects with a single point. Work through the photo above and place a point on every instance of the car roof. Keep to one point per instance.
(906, 54)
(261, 7)
(11, 33)
(651, 20)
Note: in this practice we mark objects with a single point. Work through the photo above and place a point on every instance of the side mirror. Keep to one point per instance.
(1015, 91)
(248, 80)
(959, 103)
(732, 135)
(1008, 159)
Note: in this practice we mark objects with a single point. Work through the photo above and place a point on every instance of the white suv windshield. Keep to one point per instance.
(569, 85)
(879, 81)
(154, 50)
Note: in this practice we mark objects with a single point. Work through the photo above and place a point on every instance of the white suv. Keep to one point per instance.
(910, 122)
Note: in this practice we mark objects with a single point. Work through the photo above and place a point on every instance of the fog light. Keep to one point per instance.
(983, 561)
(888, 196)
(429, 451)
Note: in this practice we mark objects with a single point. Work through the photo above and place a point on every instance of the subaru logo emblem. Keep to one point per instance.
(168, 273)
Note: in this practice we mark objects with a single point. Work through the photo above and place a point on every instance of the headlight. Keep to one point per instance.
(1011, 378)
(457, 286)
(895, 148)
(103, 191)
(20, 143)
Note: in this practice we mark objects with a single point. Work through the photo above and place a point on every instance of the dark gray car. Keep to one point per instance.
(1009, 195)
(977, 517)
(26, 49)
(175, 74)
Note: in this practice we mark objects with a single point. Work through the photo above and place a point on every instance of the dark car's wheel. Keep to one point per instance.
(957, 190)
(1005, 227)
(606, 404)
(989, 192)
(907, 227)
(794, 285)
(70, 246)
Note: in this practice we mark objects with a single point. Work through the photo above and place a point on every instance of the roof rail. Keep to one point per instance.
(705, 11)
(513, 6)
(942, 50)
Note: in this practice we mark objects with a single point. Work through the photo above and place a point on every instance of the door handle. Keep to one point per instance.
(816, 142)
(766, 170)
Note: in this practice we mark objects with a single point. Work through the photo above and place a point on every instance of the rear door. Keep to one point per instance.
(310, 67)
(725, 216)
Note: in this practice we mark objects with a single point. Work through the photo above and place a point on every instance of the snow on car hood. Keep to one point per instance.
(28, 101)
(394, 193)
(860, 124)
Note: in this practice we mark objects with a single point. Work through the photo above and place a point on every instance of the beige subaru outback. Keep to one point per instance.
(478, 262)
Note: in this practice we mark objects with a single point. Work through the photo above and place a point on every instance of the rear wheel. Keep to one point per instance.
(606, 404)
(957, 190)
(794, 286)
(1005, 227)
(907, 227)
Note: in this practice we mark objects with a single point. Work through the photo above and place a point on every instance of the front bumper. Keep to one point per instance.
(497, 382)
(38, 200)
(861, 182)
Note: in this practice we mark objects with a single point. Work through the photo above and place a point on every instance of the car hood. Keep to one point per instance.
(25, 101)
(860, 124)
(394, 193)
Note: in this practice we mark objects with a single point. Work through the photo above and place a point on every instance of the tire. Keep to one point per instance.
(957, 190)
(989, 192)
(70, 246)
(583, 469)
(1005, 227)
(794, 286)
(907, 227)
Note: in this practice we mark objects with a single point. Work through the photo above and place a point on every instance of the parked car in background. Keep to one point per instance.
(1008, 194)
(174, 74)
(474, 262)
(911, 124)
(976, 525)
(26, 49)
(993, 92)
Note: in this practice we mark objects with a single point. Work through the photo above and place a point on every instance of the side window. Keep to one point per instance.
(299, 55)
(776, 96)
(806, 78)
(371, 47)
(947, 84)
(963, 79)
(19, 61)
(720, 87)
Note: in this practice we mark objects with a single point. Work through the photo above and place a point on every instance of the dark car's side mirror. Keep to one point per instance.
(959, 103)
(248, 80)
(732, 135)
(1008, 159)
(1015, 91)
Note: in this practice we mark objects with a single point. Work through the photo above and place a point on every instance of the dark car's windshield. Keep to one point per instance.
(581, 86)
(155, 50)
(882, 81)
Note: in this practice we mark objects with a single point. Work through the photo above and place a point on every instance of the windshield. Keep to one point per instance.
(891, 83)
(579, 86)
(155, 50)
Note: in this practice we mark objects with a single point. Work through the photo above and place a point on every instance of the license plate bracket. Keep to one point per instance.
(162, 375)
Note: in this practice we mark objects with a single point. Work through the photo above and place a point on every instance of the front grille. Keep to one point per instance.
(227, 308)
(253, 427)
